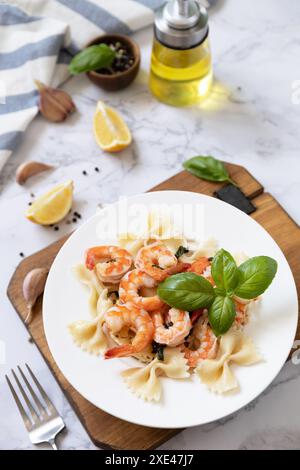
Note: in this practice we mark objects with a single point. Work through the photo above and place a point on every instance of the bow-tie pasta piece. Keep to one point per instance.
(131, 243)
(235, 348)
(161, 227)
(88, 334)
(208, 249)
(104, 303)
(89, 279)
(145, 382)
(158, 227)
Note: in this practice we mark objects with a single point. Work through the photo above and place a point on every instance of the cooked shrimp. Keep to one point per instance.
(178, 268)
(203, 341)
(241, 313)
(196, 314)
(172, 328)
(202, 267)
(137, 320)
(157, 261)
(110, 262)
(132, 287)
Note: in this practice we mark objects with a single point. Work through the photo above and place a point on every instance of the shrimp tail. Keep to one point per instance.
(89, 260)
(120, 351)
(179, 268)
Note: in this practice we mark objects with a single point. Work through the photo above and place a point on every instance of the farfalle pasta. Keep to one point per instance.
(89, 334)
(95, 287)
(159, 227)
(234, 348)
(145, 381)
(207, 249)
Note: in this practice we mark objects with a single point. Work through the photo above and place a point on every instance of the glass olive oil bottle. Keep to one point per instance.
(181, 69)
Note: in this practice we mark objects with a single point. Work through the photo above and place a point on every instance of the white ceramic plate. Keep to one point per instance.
(185, 403)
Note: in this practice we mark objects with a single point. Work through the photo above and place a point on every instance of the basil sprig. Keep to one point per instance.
(94, 57)
(256, 274)
(208, 168)
(224, 271)
(221, 314)
(189, 291)
(186, 291)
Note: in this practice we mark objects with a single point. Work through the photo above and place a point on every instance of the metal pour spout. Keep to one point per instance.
(181, 24)
(183, 7)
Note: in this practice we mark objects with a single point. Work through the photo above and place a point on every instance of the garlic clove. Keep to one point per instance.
(33, 286)
(28, 169)
(55, 104)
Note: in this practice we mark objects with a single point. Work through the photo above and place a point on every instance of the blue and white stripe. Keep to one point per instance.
(37, 40)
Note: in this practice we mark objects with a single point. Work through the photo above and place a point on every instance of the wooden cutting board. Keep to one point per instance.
(103, 429)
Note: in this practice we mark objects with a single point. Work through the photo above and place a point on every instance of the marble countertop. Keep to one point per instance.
(252, 119)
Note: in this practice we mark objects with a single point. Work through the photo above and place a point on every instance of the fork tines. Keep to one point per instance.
(38, 412)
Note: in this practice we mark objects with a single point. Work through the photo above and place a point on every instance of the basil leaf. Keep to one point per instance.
(181, 251)
(220, 291)
(256, 274)
(221, 315)
(186, 291)
(207, 168)
(92, 58)
(224, 271)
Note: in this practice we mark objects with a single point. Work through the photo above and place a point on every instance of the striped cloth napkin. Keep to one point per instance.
(38, 38)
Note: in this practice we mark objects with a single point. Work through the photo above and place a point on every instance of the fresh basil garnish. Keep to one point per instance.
(189, 291)
(92, 58)
(256, 274)
(221, 314)
(181, 251)
(224, 271)
(220, 291)
(186, 291)
(207, 168)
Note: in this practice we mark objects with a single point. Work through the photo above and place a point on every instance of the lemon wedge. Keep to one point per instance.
(111, 131)
(53, 206)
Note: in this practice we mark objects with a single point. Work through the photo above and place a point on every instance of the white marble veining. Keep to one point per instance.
(250, 119)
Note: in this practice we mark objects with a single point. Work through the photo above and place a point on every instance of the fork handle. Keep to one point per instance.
(52, 444)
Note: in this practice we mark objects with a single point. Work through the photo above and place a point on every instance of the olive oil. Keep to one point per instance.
(181, 66)
(181, 77)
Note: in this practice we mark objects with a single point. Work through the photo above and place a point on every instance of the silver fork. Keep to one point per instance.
(43, 423)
